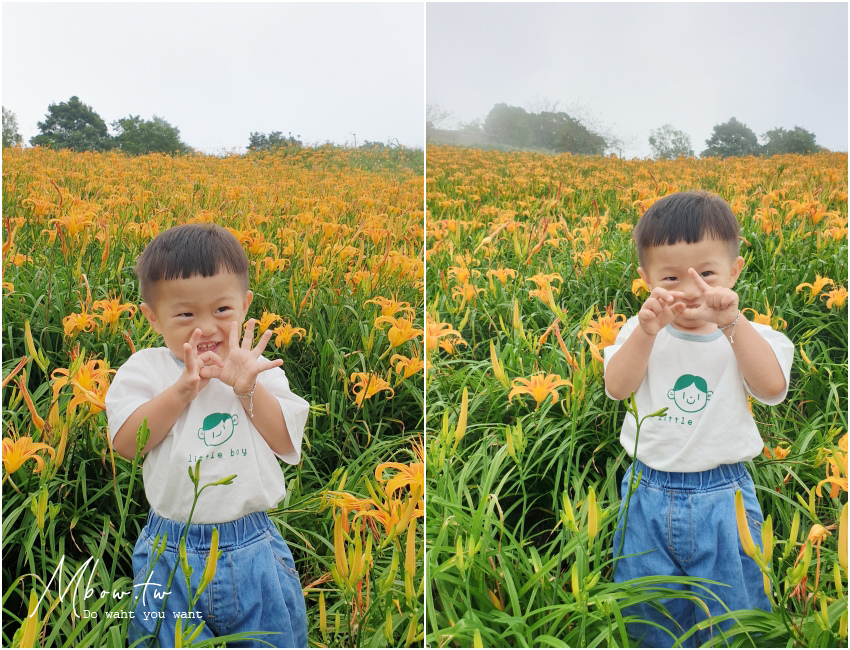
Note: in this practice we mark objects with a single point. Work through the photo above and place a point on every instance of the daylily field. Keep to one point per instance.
(335, 241)
(530, 272)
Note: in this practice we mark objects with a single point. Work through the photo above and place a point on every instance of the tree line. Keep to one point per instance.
(558, 132)
(75, 125)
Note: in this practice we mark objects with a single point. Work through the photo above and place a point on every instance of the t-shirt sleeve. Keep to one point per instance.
(130, 388)
(294, 408)
(622, 336)
(784, 351)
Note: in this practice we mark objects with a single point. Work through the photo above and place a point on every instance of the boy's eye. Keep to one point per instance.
(221, 310)
(185, 314)
(706, 274)
(670, 278)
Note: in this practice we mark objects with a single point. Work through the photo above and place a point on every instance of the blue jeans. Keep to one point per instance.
(683, 524)
(255, 588)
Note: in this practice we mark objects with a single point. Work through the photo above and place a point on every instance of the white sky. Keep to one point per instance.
(219, 71)
(636, 66)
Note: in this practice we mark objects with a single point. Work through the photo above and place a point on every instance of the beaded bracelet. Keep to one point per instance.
(249, 396)
(726, 327)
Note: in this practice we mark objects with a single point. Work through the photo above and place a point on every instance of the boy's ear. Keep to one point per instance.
(737, 267)
(644, 277)
(249, 298)
(151, 316)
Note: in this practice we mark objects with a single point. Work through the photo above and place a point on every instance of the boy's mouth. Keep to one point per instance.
(208, 347)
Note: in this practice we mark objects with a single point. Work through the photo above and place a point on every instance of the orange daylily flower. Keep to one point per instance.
(366, 385)
(836, 470)
(639, 287)
(405, 366)
(606, 328)
(17, 452)
(411, 475)
(779, 453)
(82, 322)
(389, 306)
(436, 331)
(462, 274)
(544, 280)
(266, 321)
(502, 275)
(815, 288)
(275, 263)
(835, 298)
(588, 256)
(767, 318)
(286, 332)
(539, 386)
(465, 293)
(401, 330)
(90, 383)
(111, 310)
(75, 221)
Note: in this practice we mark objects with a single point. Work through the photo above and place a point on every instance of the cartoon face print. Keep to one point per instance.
(218, 427)
(690, 394)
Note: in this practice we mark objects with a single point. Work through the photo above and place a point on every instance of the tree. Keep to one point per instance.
(435, 118)
(508, 125)
(11, 137)
(137, 136)
(574, 137)
(797, 140)
(555, 131)
(274, 140)
(668, 143)
(73, 125)
(732, 138)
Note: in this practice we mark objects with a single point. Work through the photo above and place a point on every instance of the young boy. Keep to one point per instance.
(689, 349)
(207, 397)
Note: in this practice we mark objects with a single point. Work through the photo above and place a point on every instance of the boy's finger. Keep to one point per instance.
(263, 342)
(249, 335)
(211, 356)
(193, 345)
(664, 294)
(659, 294)
(702, 284)
(267, 365)
(653, 307)
(234, 335)
(188, 354)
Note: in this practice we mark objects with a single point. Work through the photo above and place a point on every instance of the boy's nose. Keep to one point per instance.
(691, 290)
(208, 328)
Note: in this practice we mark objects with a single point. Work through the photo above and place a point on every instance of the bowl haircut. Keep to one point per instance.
(689, 217)
(191, 249)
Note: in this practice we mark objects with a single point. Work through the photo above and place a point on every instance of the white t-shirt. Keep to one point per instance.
(698, 379)
(215, 428)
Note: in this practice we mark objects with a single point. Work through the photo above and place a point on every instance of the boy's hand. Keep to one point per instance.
(193, 378)
(659, 310)
(242, 365)
(719, 304)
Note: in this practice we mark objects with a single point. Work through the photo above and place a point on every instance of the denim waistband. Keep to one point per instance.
(711, 479)
(238, 532)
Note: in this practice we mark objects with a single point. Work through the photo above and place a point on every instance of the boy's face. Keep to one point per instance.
(209, 303)
(667, 267)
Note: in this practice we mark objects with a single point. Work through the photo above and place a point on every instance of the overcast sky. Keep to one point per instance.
(634, 67)
(219, 71)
